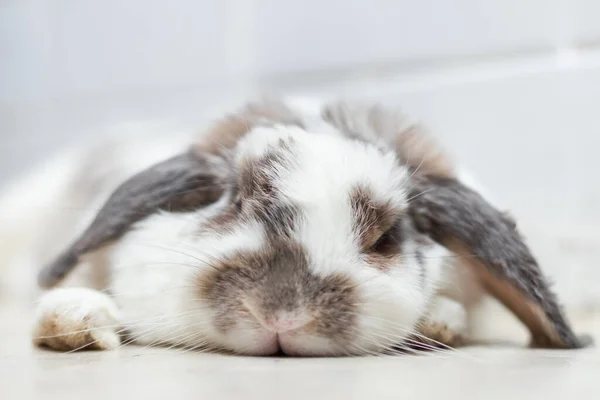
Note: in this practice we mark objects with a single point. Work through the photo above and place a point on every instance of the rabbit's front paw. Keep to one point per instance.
(76, 319)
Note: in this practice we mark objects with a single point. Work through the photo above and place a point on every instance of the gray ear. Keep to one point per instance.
(182, 183)
(488, 242)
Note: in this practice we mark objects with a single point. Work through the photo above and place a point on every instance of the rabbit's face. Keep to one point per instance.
(316, 254)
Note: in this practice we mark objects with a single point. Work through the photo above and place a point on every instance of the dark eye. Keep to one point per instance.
(332, 289)
(389, 243)
(237, 204)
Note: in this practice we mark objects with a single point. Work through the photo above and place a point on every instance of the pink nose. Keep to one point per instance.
(284, 323)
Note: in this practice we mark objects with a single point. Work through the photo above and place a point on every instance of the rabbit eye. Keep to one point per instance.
(389, 243)
(237, 204)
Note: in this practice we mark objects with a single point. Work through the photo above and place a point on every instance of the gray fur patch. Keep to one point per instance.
(226, 132)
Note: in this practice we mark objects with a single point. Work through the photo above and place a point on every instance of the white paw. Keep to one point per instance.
(75, 319)
(449, 313)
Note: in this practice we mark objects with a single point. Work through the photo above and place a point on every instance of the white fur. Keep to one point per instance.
(155, 268)
(310, 110)
(450, 312)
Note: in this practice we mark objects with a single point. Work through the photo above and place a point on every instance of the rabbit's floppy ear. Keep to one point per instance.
(182, 183)
(488, 242)
(185, 182)
(461, 220)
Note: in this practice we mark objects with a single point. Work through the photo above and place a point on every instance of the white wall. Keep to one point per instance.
(70, 65)
(68, 48)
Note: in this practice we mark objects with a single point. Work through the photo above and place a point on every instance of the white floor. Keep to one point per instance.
(528, 127)
(154, 373)
(488, 374)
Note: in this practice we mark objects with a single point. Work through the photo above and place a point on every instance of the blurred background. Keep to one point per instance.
(510, 87)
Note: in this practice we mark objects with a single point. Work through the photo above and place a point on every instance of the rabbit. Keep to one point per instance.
(338, 230)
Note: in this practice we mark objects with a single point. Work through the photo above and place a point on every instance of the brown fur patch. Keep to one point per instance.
(222, 223)
(382, 126)
(259, 197)
(256, 196)
(255, 176)
(60, 333)
(543, 332)
(225, 133)
(418, 150)
(274, 279)
(372, 218)
(436, 335)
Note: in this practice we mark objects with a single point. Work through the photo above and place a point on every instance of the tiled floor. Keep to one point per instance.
(528, 128)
